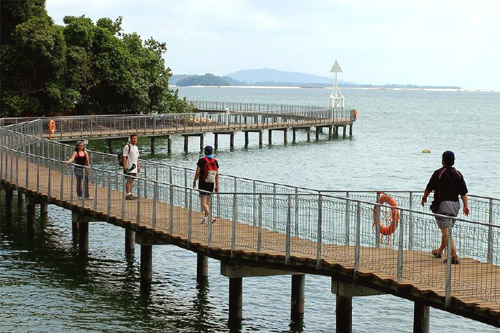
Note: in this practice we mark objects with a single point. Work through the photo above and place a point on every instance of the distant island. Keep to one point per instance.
(272, 77)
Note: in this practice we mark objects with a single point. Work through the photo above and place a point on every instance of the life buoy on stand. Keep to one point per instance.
(52, 127)
(355, 114)
(389, 229)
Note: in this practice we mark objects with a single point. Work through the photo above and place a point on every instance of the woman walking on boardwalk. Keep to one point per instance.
(82, 161)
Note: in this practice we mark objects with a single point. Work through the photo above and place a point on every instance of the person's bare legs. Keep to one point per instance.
(205, 204)
(128, 185)
(444, 242)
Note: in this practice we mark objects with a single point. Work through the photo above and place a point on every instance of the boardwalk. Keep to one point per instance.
(285, 229)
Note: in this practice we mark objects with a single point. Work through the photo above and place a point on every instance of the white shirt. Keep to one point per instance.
(132, 156)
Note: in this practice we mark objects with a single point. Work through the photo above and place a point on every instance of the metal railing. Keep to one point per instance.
(334, 227)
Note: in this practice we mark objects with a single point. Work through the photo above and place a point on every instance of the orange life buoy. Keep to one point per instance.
(52, 127)
(355, 114)
(387, 230)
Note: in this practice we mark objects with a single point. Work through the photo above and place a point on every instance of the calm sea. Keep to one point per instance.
(44, 286)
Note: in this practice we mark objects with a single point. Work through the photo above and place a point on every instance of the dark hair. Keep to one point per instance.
(448, 158)
(132, 135)
(79, 143)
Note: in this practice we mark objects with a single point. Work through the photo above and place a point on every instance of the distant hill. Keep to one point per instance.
(266, 75)
(199, 80)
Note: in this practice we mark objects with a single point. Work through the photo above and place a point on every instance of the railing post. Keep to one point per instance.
(490, 233)
(155, 200)
(96, 182)
(254, 204)
(357, 253)
(49, 181)
(185, 186)
(61, 170)
(347, 218)
(109, 195)
(410, 223)
(296, 226)
(233, 224)
(190, 217)
(320, 232)
(288, 230)
(274, 207)
(138, 211)
(377, 223)
(38, 176)
(447, 300)
(124, 194)
(259, 235)
(171, 218)
(400, 250)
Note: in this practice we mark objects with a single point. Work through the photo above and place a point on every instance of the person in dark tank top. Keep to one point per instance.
(82, 165)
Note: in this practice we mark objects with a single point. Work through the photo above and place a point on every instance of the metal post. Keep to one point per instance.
(347, 218)
(400, 251)
(358, 239)
(274, 207)
(288, 230)
(171, 218)
(259, 235)
(490, 233)
(377, 223)
(155, 200)
(233, 224)
(447, 301)
(410, 223)
(296, 212)
(190, 217)
(320, 232)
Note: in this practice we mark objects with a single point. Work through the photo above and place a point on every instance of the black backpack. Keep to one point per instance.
(120, 156)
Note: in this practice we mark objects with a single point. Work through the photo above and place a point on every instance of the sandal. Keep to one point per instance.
(454, 261)
(436, 253)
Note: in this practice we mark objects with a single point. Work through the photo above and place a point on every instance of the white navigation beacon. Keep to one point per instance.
(336, 98)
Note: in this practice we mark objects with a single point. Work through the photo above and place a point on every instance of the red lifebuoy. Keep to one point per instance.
(355, 114)
(387, 230)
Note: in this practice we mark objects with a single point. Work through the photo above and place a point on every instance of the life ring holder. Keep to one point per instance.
(52, 126)
(386, 230)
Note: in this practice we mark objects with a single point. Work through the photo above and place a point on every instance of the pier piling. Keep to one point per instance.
(30, 216)
(146, 267)
(297, 302)
(129, 242)
(343, 314)
(421, 318)
(44, 210)
(201, 268)
(235, 300)
(110, 146)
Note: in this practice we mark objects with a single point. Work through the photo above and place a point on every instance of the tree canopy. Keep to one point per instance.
(80, 67)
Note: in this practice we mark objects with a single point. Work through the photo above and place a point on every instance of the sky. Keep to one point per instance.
(425, 42)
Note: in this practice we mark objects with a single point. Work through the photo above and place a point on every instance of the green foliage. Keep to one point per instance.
(79, 68)
(203, 80)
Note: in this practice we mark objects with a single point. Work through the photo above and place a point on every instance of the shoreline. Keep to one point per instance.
(346, 88)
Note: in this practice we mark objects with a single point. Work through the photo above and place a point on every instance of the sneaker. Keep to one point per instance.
(130, 197)
(89, 198)
(204, 220)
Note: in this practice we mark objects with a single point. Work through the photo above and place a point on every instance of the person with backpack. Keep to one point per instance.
(130, 164)
(207, 172)
(448, 184)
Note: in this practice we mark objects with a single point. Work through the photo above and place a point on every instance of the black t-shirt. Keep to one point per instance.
(202, 185)
(447, 184)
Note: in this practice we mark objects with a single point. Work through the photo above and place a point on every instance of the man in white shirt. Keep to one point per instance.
(131, 166)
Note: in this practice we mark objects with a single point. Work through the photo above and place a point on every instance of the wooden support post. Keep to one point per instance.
(146, 267)
(231, 140)
(246, 139)
(294, 135)
(9, 200)
(186, 142)
(350, 130)
(270, 137)
(343, 314)
(421, 318)
(129, 242)
(235, 300)
(202, 145)
(110, 146)
(344, 130)
(30, 216)
(261, 134)
(44, 210)
(20, 198)
(297, 302)
(83, 237)
(201, 268)
(153, 150)
(330, 132)
(336, 131)
(318, 130)
(216, 141)
(169, 144)
(285, 136)
(308, 134)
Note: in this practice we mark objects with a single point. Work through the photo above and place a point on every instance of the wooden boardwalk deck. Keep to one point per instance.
(423, 277)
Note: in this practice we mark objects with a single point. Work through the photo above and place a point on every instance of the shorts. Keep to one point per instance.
(208, 188)
(131, 176)
(450, 208)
